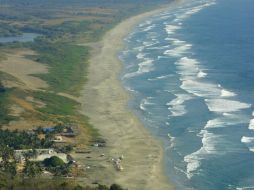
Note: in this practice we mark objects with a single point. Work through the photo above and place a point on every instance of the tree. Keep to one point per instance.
(115, 187)
(6, 153)
(78, 187)
(102, 187)
(53, 161)
(10, 167)
(32, 169)
(62, 170)
(30, 154)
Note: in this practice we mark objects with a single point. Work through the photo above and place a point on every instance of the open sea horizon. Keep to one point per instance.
(190, 74)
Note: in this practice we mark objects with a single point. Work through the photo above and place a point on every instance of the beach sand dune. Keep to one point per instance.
(105, 102)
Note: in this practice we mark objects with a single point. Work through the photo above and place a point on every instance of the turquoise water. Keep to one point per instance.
(25, 37)
(190, 71)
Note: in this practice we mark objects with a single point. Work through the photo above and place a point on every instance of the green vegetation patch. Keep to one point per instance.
(22, 140)
(67, 64)
(4, 105)
(17, 183)
(56, 104)
(53, 161)
(62, 109)
(8, 30)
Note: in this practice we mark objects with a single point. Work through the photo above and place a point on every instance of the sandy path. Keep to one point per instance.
(105, 102)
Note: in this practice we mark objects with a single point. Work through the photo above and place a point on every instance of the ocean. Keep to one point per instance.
(190, 75)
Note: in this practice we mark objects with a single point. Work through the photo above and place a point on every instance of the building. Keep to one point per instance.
(37, 155)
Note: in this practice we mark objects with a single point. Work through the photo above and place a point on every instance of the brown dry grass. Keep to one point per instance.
(27, 124)
(23, 104)
(20, 67)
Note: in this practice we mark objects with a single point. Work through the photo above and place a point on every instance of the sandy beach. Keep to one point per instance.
(105, 103)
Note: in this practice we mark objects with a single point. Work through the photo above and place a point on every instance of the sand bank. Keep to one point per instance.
(105, 102)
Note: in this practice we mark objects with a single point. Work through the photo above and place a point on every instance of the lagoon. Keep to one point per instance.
(25, 37)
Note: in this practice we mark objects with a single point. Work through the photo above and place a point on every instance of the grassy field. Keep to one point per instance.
(67, 65)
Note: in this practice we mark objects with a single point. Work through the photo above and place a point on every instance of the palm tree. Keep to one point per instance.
(10, 167)
(6, 153)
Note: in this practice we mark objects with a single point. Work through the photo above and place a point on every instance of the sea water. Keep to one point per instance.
(190, 73)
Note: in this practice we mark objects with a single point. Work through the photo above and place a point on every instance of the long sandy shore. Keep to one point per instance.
(105, 103)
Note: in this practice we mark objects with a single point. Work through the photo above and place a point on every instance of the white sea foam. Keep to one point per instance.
(159, 77)
(139, 48)
(193, 163)
(163, 76)
(201, 74)
(147, 22)
(162, 57)
(144, 102)
(158, 47)
(149, 28)
(192, 11)
(129, 89)
(187, 62)
(178, 42)
(171, 28)
(226, 120)
(226, 93)
(246, 188)
(247, 140)
(177, 110)
(180, 99)
(144, 67)
(165, 17)
(209, 141)
(180, 170)
(200, 89)
(251, 124)
(178, 51)
(152, 36)
(150, 43)
(187, 67)
(140, 55)
(224, 105)
(172, 140)
(175, 106)
(215, 123)
(175, 41)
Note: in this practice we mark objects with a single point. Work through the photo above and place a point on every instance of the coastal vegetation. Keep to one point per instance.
(65, 60)
(4, 102)
(23, 140)
(16, 183)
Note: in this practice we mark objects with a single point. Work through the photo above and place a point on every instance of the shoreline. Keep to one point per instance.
(104, 101)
